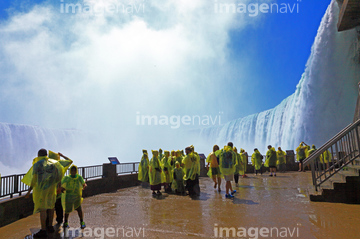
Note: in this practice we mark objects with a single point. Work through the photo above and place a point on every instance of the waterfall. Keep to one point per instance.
(19, 143)
(323, 103)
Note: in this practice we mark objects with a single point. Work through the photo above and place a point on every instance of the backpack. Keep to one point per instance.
(227, 159)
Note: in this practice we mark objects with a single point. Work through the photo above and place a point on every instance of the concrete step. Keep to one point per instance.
(347, 173)
(328, 185)
(333, 189)
(338, 178)
(354, 169)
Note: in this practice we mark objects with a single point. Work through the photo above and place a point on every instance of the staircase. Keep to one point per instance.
(338, 179)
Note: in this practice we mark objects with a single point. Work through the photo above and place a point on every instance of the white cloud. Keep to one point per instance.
(95, 71)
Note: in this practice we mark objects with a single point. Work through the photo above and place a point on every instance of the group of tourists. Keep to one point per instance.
(53, 191)
(176, 171)
(304, 151)
(179, 173)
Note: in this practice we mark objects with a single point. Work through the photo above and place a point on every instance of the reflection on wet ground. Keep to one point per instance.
(261, 201)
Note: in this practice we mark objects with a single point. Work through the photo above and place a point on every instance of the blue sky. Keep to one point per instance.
(279, 48)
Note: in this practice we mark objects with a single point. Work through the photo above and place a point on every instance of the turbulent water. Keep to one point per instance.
(323, 103)
(19, 143)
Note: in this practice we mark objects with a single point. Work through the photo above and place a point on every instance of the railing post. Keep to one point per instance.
(357, 138)
(109, 170)
(83, 172)
(16, 185)
(134, 171)
(313, 174)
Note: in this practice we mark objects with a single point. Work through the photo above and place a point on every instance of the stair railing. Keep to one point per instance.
(334, 155)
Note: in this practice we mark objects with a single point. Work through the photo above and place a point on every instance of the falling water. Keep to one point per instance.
(323, 103)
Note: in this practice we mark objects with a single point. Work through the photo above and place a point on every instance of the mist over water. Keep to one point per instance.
(92, 74)
(323, 103)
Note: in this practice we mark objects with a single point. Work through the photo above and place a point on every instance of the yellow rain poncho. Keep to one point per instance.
(271, 158)
(161, 155)
(178, 181)
(52, 155)
(155, 169)
(301, 152)
(197, 158)
(71, 199)
(143, 175)
(256, 160)
(44, 177)
(312, 150)
(212, 158)
(166, 168)
(238, 164)
(325, 157)
(172, 159)
(281, 157)
(178, 157)
(244, 160)
(227, 161)
(190, 163)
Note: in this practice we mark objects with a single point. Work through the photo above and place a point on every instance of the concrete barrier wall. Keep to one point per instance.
(20, 207)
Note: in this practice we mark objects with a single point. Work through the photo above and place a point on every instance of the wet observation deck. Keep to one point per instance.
(263, 204)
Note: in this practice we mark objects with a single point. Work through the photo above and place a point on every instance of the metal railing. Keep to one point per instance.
(11, 185)
(89, 171)
(341, 150)
(127, 168)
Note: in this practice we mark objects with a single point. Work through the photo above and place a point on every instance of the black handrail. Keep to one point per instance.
(11, 185)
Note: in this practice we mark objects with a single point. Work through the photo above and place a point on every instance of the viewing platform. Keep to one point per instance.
(280, 202)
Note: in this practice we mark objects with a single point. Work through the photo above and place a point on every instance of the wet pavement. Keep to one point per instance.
(263, 207)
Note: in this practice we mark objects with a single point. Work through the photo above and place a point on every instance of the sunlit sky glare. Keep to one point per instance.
(176, 57)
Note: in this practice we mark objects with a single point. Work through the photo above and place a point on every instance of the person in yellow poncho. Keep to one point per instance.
(166, 171)
(155, 173)
(281, 159)
(227, 168)
(58, 206)
(325, 158)
(190, 163)
(214, 170)
(178, 180)
(238, 167)
(143, 175)
(256, 160)
(161, 155)
(244, 159)
(178, 157)
(172, 159)
(43, 178)
(72, 187)
(301, 154)
(271, 160)
(197, 158)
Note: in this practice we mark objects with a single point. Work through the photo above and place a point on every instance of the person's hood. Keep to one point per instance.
(155, 153)
(72, 167)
